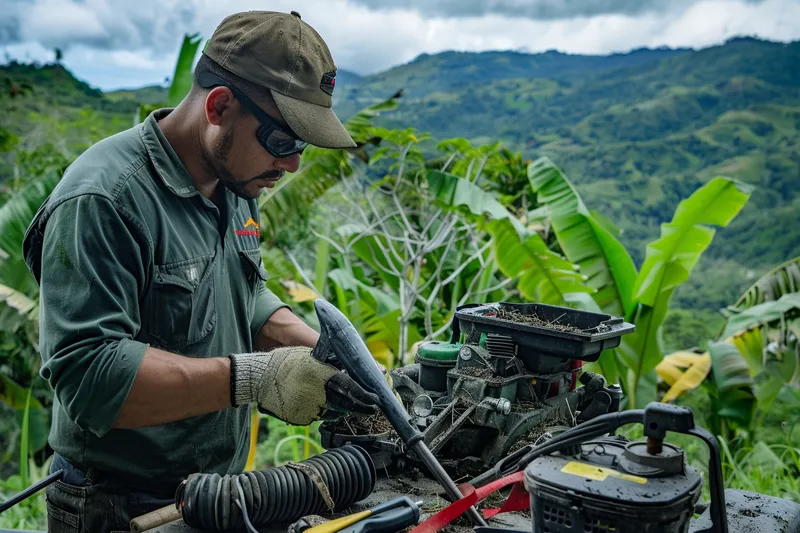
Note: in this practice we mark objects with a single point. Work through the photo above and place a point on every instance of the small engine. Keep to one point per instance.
(507, 377)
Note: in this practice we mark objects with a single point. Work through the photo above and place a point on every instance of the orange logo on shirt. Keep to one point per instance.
(253, 232)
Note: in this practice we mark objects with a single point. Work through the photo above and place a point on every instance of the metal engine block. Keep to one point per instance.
(508, 375)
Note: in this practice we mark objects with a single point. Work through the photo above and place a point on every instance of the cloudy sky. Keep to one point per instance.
(126, 43)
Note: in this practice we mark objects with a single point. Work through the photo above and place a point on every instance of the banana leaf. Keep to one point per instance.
(451, 191)
(683, 371)
(544, 276)
(17, 397)
(764, 313)
(375, 251)
(779, 281)
(585, 239)
(279, 270)
(16, 309)
(183, 76)
(751, 345)
(300, 293)
(15, 217)
(777, 373)
(374, 313)
(733, 398)
(781, 363)
(771, 356)
(668, 263)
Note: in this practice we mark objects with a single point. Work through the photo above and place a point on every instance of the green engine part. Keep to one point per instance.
(439, 351)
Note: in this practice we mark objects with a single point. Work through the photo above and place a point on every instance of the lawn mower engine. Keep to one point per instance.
(616, 485)
(507, 377)
(589, 480)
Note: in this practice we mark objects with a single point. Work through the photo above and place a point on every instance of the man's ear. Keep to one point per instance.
(219, 105)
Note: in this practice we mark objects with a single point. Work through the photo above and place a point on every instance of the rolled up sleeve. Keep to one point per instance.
(266, 304)
(92, 275)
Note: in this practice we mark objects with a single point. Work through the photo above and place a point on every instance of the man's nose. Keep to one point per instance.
(288, 164)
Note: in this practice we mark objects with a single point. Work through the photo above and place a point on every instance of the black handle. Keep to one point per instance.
(390, 521)
(356, 359)
(719, 517)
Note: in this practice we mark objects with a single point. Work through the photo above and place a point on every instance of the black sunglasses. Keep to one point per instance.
(277, 139)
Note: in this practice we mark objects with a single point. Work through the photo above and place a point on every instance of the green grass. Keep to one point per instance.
(766, 469)
(280, 442)
(31, 513)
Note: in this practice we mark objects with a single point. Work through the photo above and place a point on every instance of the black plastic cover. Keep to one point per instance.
(592, 333)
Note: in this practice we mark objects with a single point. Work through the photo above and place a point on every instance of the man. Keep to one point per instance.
(157, 329)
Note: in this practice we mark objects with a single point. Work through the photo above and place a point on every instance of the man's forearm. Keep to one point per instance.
(170, 387)
(284, 328)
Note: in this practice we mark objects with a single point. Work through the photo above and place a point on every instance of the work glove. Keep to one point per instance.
(290, 384)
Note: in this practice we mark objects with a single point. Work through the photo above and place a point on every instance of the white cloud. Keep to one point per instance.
(140, 40)
(61, 21)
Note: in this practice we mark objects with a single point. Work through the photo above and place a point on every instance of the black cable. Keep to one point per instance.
(588, 430)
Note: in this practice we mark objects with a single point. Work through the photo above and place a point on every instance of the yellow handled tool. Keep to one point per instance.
(340, 523)
(405, 512)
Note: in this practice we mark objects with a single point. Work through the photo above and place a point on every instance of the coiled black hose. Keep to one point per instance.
(281, 494)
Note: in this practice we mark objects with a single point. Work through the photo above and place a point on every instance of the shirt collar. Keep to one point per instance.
(168, 165)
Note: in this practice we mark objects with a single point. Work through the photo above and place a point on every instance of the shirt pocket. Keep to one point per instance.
(183, 302)
(254, 272)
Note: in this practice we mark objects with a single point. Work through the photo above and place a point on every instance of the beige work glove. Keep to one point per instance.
(290, 384)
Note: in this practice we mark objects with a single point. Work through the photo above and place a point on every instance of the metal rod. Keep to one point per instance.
(30, 491)
(444, 480)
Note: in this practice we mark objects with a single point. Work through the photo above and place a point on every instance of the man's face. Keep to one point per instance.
(241, 163)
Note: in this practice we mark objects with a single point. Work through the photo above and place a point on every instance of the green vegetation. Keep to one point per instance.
(659, 185)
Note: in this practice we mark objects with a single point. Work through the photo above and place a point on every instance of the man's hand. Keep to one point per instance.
(291, 385)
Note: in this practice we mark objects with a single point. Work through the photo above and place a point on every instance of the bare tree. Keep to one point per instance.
(426, 248)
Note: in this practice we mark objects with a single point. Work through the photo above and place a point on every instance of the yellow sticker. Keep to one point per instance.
(598, 473)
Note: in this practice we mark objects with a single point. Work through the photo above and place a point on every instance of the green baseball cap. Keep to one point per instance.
(282, 53)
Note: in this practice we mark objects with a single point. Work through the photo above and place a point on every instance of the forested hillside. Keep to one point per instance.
(637, 132)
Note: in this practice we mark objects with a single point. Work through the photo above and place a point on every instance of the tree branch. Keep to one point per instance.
(300, 271)
(329, 240)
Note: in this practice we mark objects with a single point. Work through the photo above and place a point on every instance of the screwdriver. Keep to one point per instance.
(389, 517)
(339, 337)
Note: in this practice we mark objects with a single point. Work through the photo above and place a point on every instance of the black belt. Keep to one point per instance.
(82, 475)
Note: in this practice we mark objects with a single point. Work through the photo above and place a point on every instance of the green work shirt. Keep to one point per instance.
(134, 256)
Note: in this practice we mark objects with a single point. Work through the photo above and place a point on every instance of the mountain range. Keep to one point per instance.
(636, 132)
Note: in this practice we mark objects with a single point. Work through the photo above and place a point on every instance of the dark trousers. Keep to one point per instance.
(92, 502)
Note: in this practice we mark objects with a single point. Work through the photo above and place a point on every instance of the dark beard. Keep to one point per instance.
(216, 163)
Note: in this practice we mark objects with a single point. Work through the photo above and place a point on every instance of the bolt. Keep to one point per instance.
(465, 353)
(501, 405)
(654, 446)
(504, 406)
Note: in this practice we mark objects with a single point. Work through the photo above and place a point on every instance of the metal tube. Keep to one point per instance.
(444, 480)
(30, 491)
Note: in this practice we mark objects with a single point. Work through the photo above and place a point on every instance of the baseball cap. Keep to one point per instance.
(282, 53)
